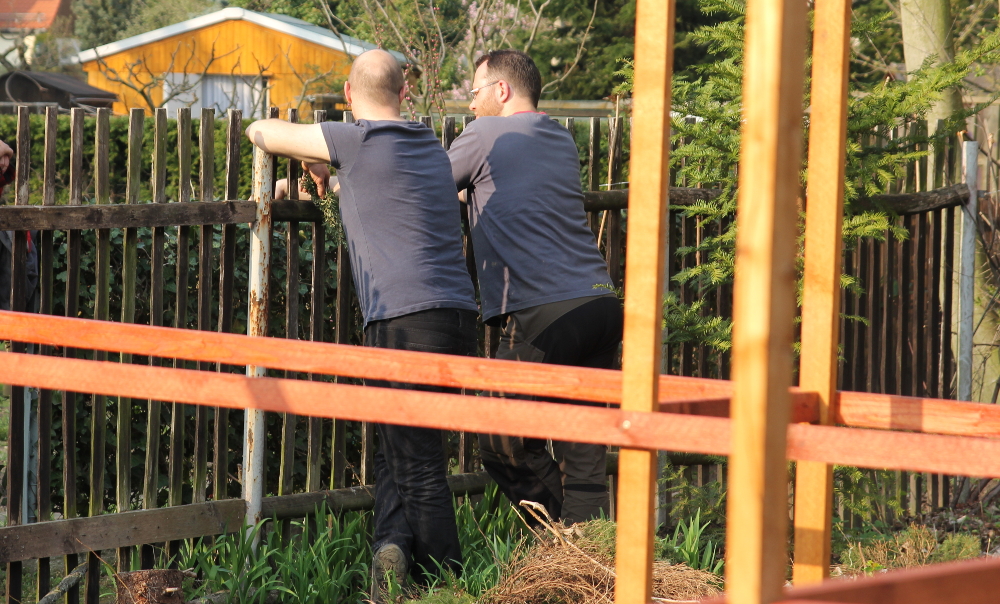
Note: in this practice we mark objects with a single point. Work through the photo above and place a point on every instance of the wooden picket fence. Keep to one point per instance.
(200, 449)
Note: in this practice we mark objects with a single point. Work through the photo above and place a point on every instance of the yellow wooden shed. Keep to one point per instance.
(229, 59)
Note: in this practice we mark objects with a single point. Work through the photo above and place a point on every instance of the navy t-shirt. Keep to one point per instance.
(529, 228)
(401, 218)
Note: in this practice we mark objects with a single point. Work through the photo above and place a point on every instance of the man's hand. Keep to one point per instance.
(320, 174)
(6, 154)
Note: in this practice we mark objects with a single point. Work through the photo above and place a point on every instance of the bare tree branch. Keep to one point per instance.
(538, 19)
(579, 53)
(306, 82)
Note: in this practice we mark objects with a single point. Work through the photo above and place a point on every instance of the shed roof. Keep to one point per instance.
(281, 23)
(58, 81)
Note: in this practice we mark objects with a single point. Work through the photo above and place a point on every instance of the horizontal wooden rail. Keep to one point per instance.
(598, 385)
(96, 533)
(677, 394)
(968, 582)
(491, 415)
(119, 216)
(928, 415)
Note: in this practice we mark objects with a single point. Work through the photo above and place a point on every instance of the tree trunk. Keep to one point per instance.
(927, 30)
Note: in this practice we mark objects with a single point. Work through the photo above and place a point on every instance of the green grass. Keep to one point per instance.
(325, 559)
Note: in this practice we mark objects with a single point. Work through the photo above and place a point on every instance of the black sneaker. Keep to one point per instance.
(388, 559)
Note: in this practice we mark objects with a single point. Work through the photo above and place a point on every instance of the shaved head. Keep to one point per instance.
(377, 78)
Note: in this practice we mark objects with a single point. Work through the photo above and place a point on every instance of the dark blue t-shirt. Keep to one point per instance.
(401, 218)
(529, 229)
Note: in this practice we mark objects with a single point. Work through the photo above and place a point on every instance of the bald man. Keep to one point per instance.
(402, 223)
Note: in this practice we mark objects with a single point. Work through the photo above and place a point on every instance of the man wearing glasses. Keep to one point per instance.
(541, 276)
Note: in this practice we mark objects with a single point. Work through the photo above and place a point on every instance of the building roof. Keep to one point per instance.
(29, 14)
(57, 81)
(280, 23)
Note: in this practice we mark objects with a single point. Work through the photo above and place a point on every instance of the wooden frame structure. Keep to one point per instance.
(770, 422)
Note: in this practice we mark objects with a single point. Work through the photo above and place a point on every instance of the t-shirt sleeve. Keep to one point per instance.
(343, 141)
(466, 157)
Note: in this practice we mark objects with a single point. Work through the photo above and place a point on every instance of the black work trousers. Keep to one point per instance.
(573, 485)
(413, 504)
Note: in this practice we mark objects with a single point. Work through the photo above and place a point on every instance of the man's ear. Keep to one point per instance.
(402, 93)
(347, 92)
(504, 92)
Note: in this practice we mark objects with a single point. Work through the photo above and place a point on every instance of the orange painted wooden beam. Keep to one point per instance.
(642, 430)
(969, 582)
(599, 385)
(634, 429)
(856, 409)
(928, 415)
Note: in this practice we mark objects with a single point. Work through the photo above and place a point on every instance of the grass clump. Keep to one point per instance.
(957, 546)
(917, 545)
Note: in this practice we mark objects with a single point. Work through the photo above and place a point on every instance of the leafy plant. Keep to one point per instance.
(689, 546)
(233, 565)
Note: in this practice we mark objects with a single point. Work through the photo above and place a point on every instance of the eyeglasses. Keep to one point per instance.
(475, 91)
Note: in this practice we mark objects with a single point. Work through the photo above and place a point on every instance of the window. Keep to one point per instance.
(221, 92)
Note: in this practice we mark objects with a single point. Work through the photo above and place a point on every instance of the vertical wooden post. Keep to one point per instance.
(206, 182)
(159, 177)
(46, 283)
(654, 49)
(73, 244)
(316, 304)
(289, 420)
(129, 258)
(259, 271)
(764, 300)
(17, 471)
(227, 265)
(175, 468)
(99, 421)
(967, 271)
(821, 290)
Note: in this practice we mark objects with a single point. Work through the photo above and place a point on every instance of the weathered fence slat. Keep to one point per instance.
(102, 299)
(16, 487)
(73, 245)
(227, 262)
(45, 281)
(152, 467)
(287, 462)
(129, 276)
(206, 182)
(314, 445)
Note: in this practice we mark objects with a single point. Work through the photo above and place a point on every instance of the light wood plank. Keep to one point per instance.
(821, 288)
(650, 154)
(764, 301)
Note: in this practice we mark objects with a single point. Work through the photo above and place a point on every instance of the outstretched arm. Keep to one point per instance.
(304, 142)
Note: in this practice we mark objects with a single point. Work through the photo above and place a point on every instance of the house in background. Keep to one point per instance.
(20, 21)
(230, 59)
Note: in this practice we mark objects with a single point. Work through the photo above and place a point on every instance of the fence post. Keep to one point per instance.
(654, 44)
(260, 262)
(967, 272)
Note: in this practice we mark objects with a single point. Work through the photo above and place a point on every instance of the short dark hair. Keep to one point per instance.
(517, 68)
